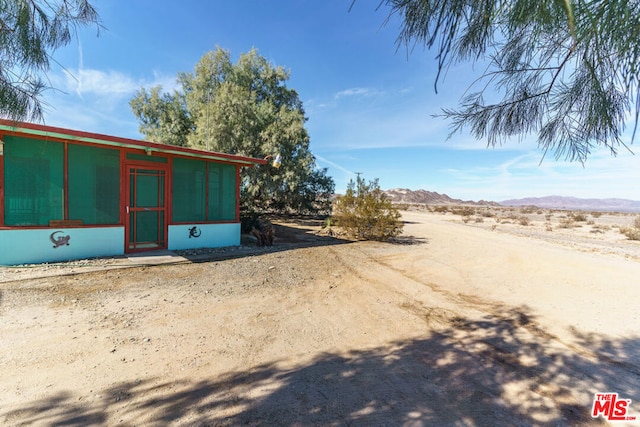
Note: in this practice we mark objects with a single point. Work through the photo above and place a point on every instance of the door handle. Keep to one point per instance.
(127, 209)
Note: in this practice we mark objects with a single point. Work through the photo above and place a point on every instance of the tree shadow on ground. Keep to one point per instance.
(499, 370)
(287, 237)
(408, 240)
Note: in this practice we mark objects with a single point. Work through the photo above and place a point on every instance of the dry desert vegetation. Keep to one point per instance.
(474, 316)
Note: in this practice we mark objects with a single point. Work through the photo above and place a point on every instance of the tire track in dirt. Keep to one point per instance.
(495, 310)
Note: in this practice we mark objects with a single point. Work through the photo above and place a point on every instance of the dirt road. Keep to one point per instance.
(453, 325)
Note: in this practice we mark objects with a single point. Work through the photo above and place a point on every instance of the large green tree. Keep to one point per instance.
(564, 70)
(242, 108)
(30, 31)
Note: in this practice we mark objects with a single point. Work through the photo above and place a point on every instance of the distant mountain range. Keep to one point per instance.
(404, 195)
(559, 202)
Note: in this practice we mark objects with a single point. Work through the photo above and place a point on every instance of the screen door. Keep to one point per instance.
(146, 218)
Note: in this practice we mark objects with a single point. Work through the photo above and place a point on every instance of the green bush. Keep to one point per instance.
(365, 212)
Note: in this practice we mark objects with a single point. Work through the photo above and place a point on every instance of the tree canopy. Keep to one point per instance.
(244, 108)
(30, 31)
(565, 70)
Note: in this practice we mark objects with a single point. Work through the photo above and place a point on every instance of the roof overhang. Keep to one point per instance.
(9, 127)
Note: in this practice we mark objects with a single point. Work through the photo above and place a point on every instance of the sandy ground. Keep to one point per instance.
(456, 323)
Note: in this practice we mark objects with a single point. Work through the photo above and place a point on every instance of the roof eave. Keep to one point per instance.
(73, 135)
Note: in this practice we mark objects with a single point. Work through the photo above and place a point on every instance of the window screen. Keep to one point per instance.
(203, 191)
(94, 184)
(34, 181)
(222, 192)
(189, 190)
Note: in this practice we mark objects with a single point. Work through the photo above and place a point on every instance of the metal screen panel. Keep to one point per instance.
(34, 181)
(189, 190)
(222, 192)
(94, 184)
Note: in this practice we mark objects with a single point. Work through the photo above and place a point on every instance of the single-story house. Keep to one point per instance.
(66, 194)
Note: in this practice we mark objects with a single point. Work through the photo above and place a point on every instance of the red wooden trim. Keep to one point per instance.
(46, 227)
(229, 221)
(2, 182)
(65, 223)
(163, 167)
(123, 201)
(144, 165)
(123, 181)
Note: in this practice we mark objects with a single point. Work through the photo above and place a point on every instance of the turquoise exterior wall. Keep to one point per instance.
(203, 236)
(31, 246)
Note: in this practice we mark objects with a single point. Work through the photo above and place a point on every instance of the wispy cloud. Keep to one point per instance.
(98, 100)
(334, 165)
(110, 82)
(101, 83)
(357, 92)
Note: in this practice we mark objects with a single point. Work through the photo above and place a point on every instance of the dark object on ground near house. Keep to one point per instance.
(264, 236)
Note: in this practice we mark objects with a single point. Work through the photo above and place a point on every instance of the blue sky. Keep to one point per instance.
(369, 105)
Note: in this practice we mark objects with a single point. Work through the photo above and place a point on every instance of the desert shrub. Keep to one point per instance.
(479, 219)
(513, 215)
(567, 223)
(523, 220)
(596, 214)
(579, 217)
(632, 233)
(441, 209)
(548, 217)
(365, 212)
(463, 211)
(528, 210)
